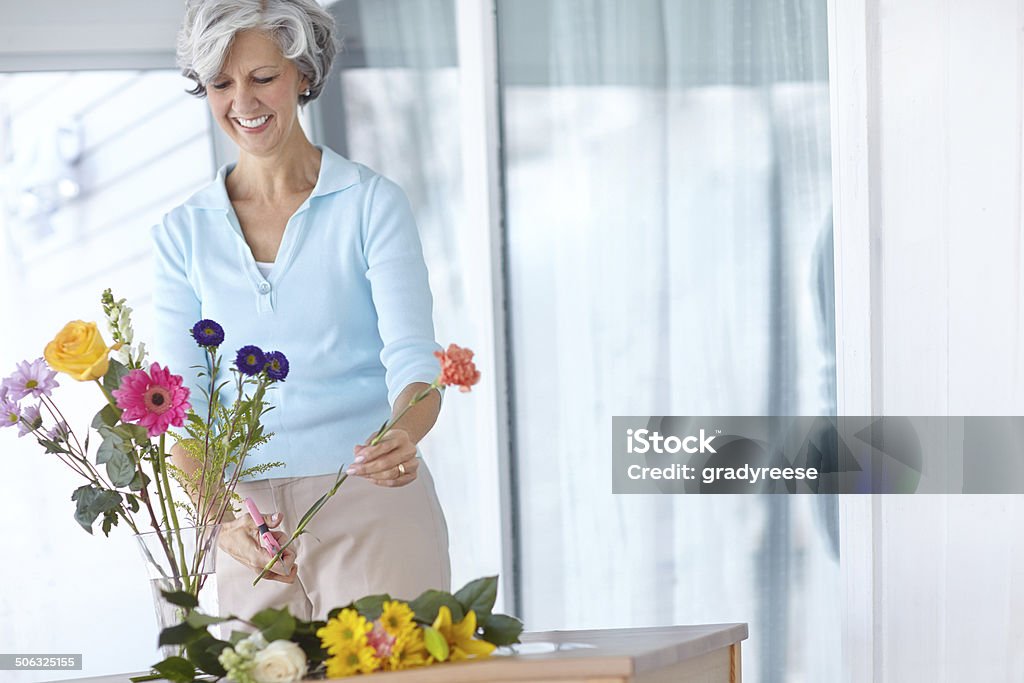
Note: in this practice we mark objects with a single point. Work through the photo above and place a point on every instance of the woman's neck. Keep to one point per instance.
(293, 170)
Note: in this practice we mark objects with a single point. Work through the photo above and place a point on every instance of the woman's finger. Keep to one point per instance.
(283, 578)
(367, 453)
(384, 466)
(407, 478)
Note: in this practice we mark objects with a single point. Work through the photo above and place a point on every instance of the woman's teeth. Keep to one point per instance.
(253, 123)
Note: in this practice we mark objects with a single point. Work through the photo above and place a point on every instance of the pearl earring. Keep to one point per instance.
(306, 94)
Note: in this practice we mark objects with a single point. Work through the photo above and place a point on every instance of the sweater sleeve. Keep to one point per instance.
(400, 289)
(176, 308)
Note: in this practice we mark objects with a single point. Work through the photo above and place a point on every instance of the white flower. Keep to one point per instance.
(248, 647)
(280, 662)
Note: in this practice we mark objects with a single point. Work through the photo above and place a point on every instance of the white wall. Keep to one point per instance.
(927, 123)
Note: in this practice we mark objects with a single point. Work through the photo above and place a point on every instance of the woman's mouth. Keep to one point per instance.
(256, 125)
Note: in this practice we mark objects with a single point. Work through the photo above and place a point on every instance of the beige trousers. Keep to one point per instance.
(366, 540)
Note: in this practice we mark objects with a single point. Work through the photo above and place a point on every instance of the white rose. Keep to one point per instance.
(280, 662)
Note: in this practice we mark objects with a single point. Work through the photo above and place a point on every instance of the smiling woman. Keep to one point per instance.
(288, 219)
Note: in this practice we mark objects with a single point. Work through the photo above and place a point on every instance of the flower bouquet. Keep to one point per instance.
(128, 474)
(374, 633)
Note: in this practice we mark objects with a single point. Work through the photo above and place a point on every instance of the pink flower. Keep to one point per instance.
(156, 400)
(457, 367)
(381, 640)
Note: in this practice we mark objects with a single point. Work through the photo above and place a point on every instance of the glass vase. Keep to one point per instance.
(180, 560)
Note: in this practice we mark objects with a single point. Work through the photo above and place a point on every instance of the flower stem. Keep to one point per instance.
(175, 526)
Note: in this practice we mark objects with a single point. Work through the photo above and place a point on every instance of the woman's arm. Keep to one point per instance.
(180, 458)
(421, 417)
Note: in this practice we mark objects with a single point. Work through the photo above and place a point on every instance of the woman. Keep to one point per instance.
(297, 249)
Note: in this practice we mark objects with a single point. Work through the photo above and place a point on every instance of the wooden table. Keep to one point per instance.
(680, 654)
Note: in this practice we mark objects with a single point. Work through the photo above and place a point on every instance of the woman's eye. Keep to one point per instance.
(219, 86)
(264, 81)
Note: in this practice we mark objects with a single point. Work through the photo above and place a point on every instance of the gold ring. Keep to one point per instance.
(401, 468)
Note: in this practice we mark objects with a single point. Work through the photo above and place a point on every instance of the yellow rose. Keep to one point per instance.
(79, 350)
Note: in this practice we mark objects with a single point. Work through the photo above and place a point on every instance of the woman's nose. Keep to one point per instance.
(245, 101)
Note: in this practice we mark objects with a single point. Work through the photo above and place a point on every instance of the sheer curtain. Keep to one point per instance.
(669, 241)
(393, 104)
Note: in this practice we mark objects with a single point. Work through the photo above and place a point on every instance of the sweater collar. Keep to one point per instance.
(336, 174)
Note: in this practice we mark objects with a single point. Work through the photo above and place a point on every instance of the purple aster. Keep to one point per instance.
(30, 420)
(10, 413)
(59, 432)
(33, 378)
(250, 360)
(208, 333)
(276, 366)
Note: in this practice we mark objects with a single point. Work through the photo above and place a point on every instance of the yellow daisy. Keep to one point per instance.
(343, 632)
(351, 660)
(396, 617)
(409, 651)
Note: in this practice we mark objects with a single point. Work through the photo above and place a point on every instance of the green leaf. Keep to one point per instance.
(91, 502)
(204, 652)
(133, 502)
(181, 599)
(371, 606)
(51, 446)
(276, 624)
(109, 521)
(120, 469)
(199, 620)
(435, 642)
(176, 669)
(501, 629)
(238, 636)
(181, 634)
(306, 637)
(479, 595)
(139, 481)
(137, 433)
(116, 371)
(107, 416)
(425, 607)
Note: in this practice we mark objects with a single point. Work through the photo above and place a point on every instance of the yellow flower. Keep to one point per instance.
(396, 617)
(460, 638)
(344, 632)
(352, 659)
(409, 651)
(79, 350)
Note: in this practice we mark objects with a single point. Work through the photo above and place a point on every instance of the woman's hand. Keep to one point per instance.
(380, 463)
(239, 538)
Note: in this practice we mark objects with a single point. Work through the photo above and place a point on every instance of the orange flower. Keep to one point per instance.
(457, 367)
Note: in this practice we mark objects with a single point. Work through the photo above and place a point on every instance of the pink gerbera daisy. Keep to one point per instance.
(156, 400)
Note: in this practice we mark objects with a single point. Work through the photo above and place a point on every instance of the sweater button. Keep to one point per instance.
(264, 287)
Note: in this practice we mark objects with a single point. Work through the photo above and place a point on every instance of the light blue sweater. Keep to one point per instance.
(347, 301)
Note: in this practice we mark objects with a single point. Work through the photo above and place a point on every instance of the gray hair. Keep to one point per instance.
(303, 30)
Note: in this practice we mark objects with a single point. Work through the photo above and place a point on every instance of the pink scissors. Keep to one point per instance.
(267, 539)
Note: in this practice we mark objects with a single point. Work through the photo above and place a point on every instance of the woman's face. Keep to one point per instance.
(255, 96)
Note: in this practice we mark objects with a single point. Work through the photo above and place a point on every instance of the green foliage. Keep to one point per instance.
(276, 624)
(305, 636)
(425, 607)
(479, 595)
(181, 599)
(176, 669)
(220, 445)
(116, 371)
(93, 501)
(500, 629)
